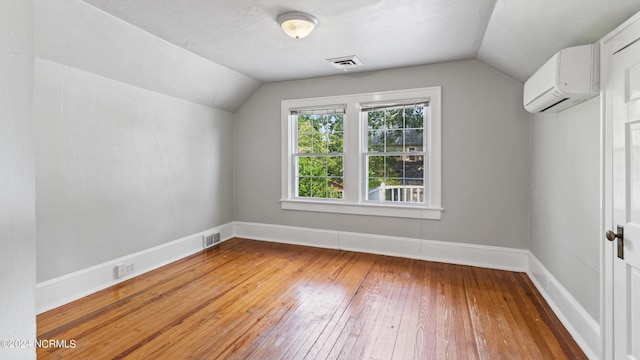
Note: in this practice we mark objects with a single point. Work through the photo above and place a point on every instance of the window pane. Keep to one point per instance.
(395, 179)
(304, 187)
(319, 122)
(375, 191)
(336, 122)
(413, 191)
(319, 144)
(413, 140)
(394, 167)
(413, 168)
(414, 117)
(320, 176)
(375, 120)
(395, 140)
(376, 140)
(394, 119)
(304, 166)
(320, 133)
(319, 187)
(319, 166)
(334, 166)
(305, 143)
(304, 124)
(336, 186)
(376, 165)
(336, 142)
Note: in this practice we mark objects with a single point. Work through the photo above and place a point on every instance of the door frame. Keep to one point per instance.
(618, 38)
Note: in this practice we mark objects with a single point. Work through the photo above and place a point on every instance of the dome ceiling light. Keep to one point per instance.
(297, 24)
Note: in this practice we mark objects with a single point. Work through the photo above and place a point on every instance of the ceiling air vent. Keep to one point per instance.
(346, 62)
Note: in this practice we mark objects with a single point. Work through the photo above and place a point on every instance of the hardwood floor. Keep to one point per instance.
(256, 300)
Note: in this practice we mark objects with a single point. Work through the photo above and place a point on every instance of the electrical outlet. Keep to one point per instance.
(124, 269)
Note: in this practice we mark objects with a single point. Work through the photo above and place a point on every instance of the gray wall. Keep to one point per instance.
(565, 201)
(17, 179)
(485, 155)
(121, 169)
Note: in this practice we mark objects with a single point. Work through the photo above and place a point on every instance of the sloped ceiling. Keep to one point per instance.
(220, 51)
(76, 34)
(523, 34)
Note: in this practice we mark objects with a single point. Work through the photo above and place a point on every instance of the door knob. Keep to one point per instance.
(610, 235)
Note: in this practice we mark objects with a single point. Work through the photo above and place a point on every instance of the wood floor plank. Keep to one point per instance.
(248, 299)
(497, 328)
(379, 340)
(504, 320)
(466, 337)
(427, 331)
(342, 320)
(406, 338)
(445, 344)
(388, 335)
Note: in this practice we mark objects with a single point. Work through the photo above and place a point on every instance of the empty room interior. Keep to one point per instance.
(209, 179)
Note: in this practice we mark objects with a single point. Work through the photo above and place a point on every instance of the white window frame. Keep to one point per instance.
(354, 199)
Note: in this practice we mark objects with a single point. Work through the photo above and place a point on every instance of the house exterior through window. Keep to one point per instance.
(393, 131)
(371, 154)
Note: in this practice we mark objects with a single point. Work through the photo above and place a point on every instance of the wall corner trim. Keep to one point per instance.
(582, 327)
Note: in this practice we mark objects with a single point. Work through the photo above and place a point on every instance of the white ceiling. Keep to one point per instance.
(513, 36)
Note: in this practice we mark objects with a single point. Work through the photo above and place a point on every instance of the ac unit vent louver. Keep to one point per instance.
(346, 62)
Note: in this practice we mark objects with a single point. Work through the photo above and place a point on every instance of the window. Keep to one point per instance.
(318, 154)
(372, 154)
(393, 130)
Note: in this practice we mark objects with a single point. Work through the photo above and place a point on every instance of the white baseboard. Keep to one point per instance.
(64, 289)
(582, 327)
(454, 253)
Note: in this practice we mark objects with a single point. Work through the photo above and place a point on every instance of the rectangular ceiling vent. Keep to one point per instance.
(346, 62)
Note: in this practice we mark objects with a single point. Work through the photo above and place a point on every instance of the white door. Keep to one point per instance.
(626, 201)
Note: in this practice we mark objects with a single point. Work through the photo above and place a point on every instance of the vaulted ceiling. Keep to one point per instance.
(513, 36)
(219, 52)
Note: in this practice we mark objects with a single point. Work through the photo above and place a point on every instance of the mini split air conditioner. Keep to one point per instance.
(570, 77)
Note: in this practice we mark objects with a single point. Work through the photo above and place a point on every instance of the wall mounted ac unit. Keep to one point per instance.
(570, 77)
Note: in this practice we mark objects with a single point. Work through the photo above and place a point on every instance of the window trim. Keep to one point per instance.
(353, 201)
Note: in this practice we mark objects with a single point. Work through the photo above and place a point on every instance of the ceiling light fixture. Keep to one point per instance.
(297, 24)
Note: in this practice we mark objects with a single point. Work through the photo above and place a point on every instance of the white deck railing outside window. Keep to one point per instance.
(397, 193)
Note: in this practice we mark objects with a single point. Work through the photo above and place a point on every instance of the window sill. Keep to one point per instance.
(402, 211)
